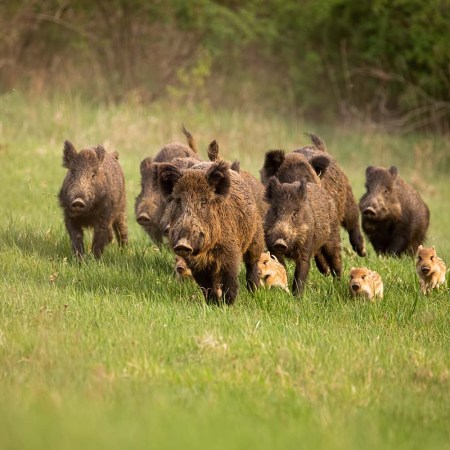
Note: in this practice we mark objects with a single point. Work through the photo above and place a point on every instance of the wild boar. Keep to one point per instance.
(149, 207)
(93, 195)
(214, 224)
(316, 165)
(430, 268)
(394, 216)
(271, 272)
(302, 223)
(365, 283)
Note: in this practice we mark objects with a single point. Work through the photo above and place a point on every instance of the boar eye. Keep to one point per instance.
(387, 191)
(94, 174)
(363, 277)
(432, 258)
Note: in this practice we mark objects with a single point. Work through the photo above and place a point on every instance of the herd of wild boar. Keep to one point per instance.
(215, 215)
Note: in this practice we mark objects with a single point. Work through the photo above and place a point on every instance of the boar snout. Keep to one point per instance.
(280, 245)
(369, 211)
(425, 269)
(182, 248)
(78, 204)
(180, 268)
(355, 287)
(143, 219)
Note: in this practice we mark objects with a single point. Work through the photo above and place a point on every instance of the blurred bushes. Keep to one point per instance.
(383, 61)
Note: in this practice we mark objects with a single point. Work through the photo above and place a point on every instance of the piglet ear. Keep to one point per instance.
(272, 162)
(218, 177)
(272, 188)
(101, 152)
(320, 164)
(69, 154)
(168, 176)
(213, 151)
(393, 171)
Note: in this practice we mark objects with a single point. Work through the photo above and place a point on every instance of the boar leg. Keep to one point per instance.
(102, 237)
(208, 285)
(76, 237)
(332, 253)
(322, 263)
(121, 230)
(230, 285)
(351, 224)
(301, 273)
(251, 257)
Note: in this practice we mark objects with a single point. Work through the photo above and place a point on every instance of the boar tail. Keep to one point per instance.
(190, 139)
(318, 142)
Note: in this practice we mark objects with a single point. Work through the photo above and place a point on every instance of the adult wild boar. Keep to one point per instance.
(214, 224)
(394, 216)
(316, 165)
(93, 195)
(301, 223)
(149, 206)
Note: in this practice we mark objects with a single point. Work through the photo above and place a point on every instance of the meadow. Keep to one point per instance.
(117, 354)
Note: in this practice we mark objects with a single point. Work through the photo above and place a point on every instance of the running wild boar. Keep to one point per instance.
(316, 165)
(271, 272)
(301, 223)
(93, 195)
(149, 206)
(394, 216)
(213, 225)
(430, 268)
(365, 283)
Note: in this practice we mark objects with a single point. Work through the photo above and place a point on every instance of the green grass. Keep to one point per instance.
(116, 354)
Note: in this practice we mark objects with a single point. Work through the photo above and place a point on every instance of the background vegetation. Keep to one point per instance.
(385, 62)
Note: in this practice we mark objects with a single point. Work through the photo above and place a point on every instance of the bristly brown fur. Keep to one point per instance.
(214, 224)
(394, 216)
(93, 195)
(301, 223)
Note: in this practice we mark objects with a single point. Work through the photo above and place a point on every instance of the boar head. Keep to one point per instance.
(85, 181)
(194, 199)
(380, 201)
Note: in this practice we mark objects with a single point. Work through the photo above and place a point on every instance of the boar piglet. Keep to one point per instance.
(213, 225)
(394, 216)
(93, 195)
(301, 223)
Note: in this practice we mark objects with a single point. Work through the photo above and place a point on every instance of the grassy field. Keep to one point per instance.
(116, 354)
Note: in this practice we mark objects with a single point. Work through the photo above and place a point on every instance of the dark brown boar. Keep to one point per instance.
(316, 165)
(93, 195)
(301, 223)
(149, 207)
(394, 216)
(214, 224)
(254, 185)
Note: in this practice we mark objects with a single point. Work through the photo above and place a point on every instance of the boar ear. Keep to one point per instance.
(190, 139)
(320, 164)
(272, 162)
(168, 175)
(369, 170)
(273, 186)
(213, 151)
(101, 152)
(236, 166)
(393, 171)
(69, 154)
(218, 177)
(420, 247)
(145, 166)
